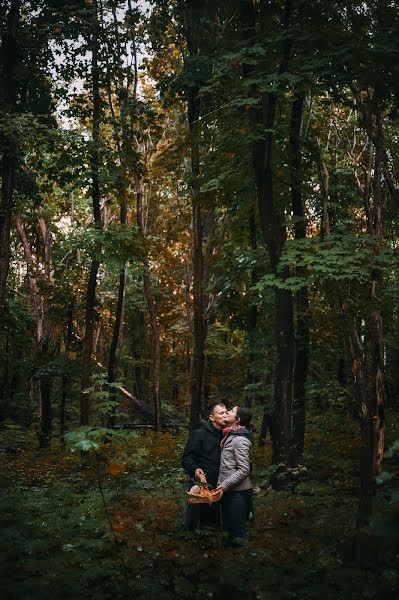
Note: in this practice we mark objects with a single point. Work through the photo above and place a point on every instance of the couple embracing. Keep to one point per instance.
(218, 452)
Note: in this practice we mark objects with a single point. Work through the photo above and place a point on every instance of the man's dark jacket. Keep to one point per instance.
(203, 451)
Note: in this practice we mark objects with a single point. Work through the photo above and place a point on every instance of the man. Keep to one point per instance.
(233, 481)
(201, 460)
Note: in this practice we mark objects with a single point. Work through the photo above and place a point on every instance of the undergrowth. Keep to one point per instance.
(108, 524)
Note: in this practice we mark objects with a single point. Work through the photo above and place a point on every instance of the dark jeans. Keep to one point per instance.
(237, 508)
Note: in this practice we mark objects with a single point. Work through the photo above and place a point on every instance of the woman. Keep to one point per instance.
(234, 472)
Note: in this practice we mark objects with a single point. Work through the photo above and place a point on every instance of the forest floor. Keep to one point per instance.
(56, 539)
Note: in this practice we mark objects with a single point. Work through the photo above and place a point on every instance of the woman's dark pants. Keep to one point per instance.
(237, 508)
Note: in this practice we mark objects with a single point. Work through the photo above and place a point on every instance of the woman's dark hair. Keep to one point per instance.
(245, 415)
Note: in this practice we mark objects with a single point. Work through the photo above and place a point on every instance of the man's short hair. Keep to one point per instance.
(245, 415)
(212, 407)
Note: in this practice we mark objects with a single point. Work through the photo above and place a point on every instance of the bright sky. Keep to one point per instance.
(77, 84)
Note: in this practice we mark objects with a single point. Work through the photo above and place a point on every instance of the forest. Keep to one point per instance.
(199, 204)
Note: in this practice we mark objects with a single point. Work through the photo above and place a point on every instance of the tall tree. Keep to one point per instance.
(192, 19)
(8, 59)
(302, 296)
(95, 193)
(262, 117)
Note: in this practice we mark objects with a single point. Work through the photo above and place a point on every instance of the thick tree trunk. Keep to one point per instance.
(302, 300)
(274, 234)
(85, 381)
(7, 105)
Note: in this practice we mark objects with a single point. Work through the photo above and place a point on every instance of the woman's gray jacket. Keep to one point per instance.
(235, 464)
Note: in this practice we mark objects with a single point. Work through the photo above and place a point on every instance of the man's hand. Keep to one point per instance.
(199, 474)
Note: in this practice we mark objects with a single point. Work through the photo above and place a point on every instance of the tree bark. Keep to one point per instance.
(7, 105)
(302, 297)
(149, 297)
(252, 379)
(378, 387)
(274, 235)
(95, 190)
(138, 345)
(193, 114)
(65, 378)
(118, 325)
(365, 411)
(43, 336)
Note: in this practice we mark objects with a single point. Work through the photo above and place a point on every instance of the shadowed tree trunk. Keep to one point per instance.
(65, 378)
(149, 297)
(274, 233)
(138, 345)
(302, 300)
(252, 380)
(118, 325)
(191, 22)
(85, 381)
(7, 105)
(42, 341)
(364, 405)
(370, 399)
(378, 385)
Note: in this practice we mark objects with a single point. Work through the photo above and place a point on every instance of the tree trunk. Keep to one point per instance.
(364, 405)
(267, 424)
(118, 326)
(44, 434)
(252, 379)
(206, 385)
(193, 114)
(85, 381)
(149, 297)
(156, 349)
(65, 378)
(208, 235)
(376, 318)
(302, 300)
(274, 235)
(7, 105)
(137, 348)
(43, 335)
(197, 368)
